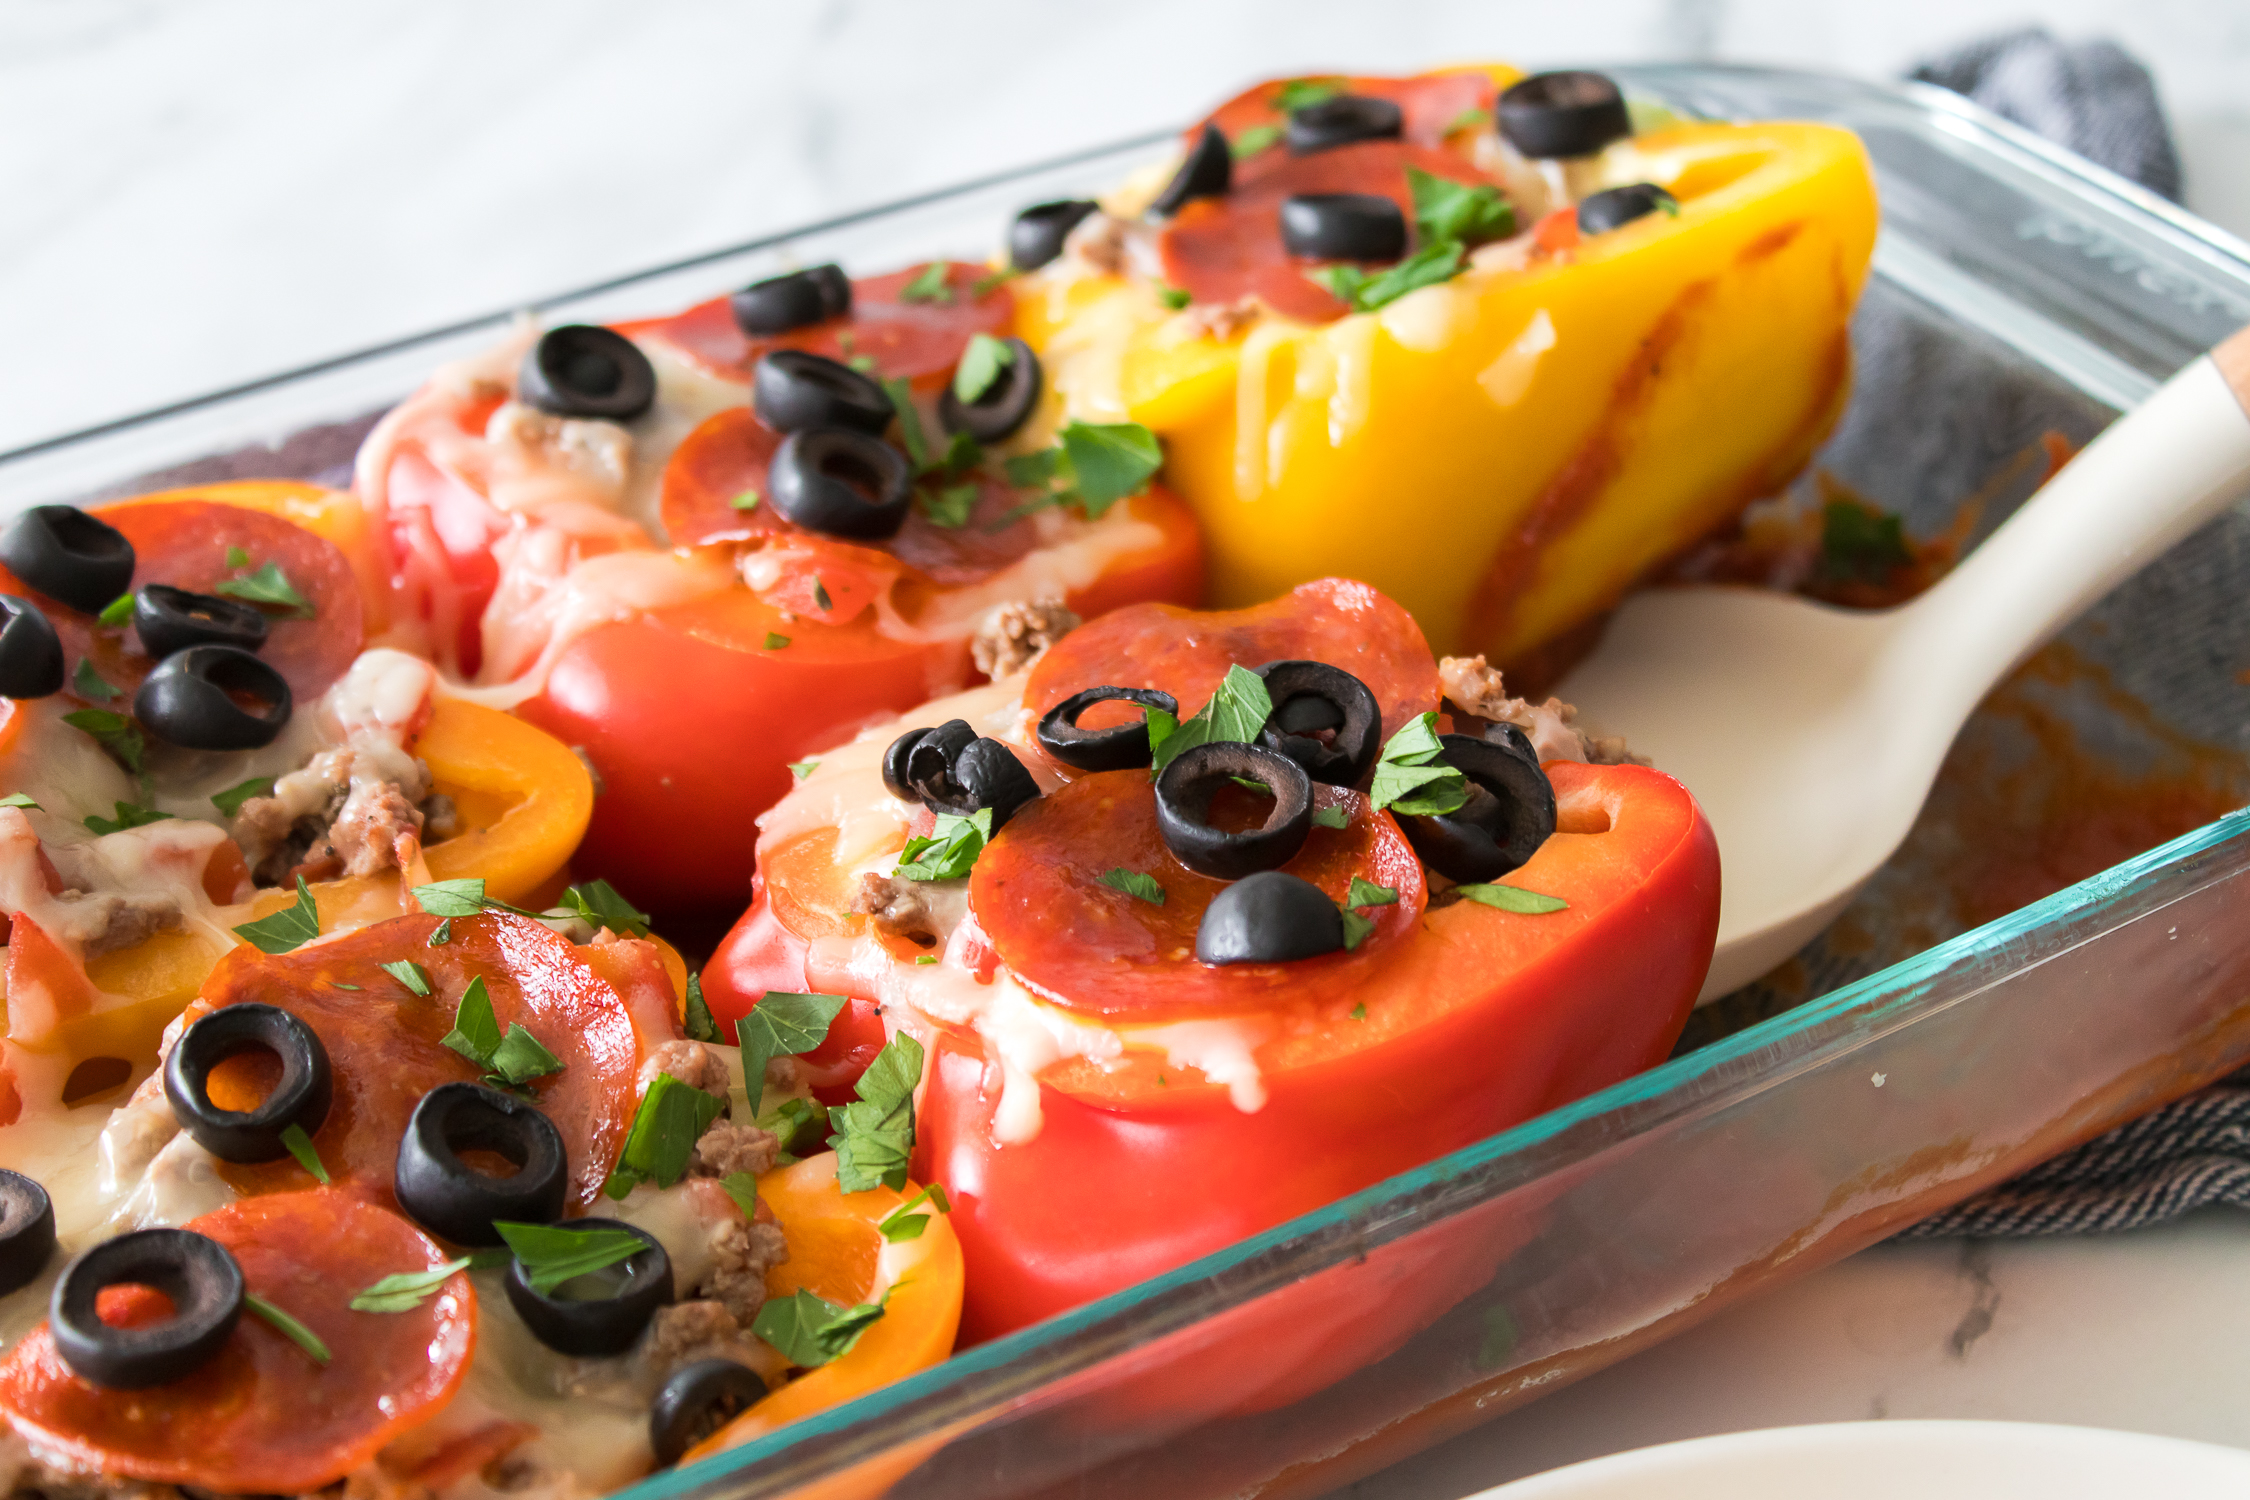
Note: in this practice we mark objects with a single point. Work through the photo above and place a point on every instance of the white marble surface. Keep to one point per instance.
(197, 192)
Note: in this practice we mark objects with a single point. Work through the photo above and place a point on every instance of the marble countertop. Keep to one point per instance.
(201, 192)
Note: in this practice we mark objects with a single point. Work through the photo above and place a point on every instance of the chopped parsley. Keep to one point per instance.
(981, 364)
(409, 973)
(747, 500)
(597, 902)
(300, 1146)
(403, 1291)
(338, 984)
(1133, 883)
(1331, 816)
(88, 683)
(781, 1024)
(875, 1134)
(1356, 928)
(268, 588)
(949, 507)
(1254, 140)
(672, 1118)
(288, 1327)
(229, 802)
(460, 898)
(799, 1124)
(800, 769)
(902, 1223)
(1412, 777)
(286, 930)
(743, 1189)
(1364, 291)
(930, 286)
(511, 1060)
(20, 799)
(775, 640)
(985, 285)
(1298, 93)
(551, 1254)
(810, 1330)
(695, 1013)
(129, 815)
(1469, 213)
(1174, 297)
(441, 934)
(114, 732)
(237, 558)
(927, 958)
(1861, 545)
(950, 850)
(1092, 466)
(1468, 119)
(1235, 712)
(1512, 898)
(1359, 1011)
(118, 611)
(1368, 893)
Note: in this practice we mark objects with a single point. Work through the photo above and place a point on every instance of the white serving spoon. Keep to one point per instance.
(1811, 734)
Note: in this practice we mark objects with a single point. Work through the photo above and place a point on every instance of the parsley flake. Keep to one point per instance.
(929, 286)
(1860, 545)
(237, 558)
(981, 364)
(1470, 213)
(441, 934)
(20, 799)
(461, 898)
(129, 815)
(950, 850)
(800, 769)
(1133, 883)
(747, 500)
(1254, 140)
(268, 588)
(288, 1327)
(1092, 466)
(695, 1013)
(114, 732)
(902, 1223)
(1413, 776)
(743, 1189)
(403, 1291)
(1298, 93)
(1363, 291)
(775, 641)
(511, 1060)
(948, 508)
(1368, 893)
(1174, 297)
(1331, 816)
(1235, 712)
(286, 930)
(1468, 119)
(926, 958)
(986, 284)
(597, 902)
(1359, 1011)
(551, 1254)
(810, 1330)
(229, 802)
(671, 1119)
(799, 1124)
(1513, 898)
(88, 683)
(118, 611)
(409, 973)
(875, 1134)
(781, 1024)
(1356, 929)
(300, 1146)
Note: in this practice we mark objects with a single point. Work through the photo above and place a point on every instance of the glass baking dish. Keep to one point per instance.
(1904, 1060)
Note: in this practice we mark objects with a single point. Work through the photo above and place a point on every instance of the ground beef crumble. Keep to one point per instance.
(1475, 691)
(1223, 320)
(1014, 634)
(896, 906)
(345, 813)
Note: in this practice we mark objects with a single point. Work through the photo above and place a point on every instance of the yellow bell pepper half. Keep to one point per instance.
(1508, 452)
(837, 1251)
(523, 797)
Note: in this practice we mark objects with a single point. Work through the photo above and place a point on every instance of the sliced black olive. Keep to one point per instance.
(1183, 807)
(450, 1198)
(1037, 235)
(198, 1275)
(1614, 208)
(842, 483)
(1312, 697)
(31, 654)
(1510, 811)
(169, 619)
(1563, 114)
(1341, 120)
(950, 776)
(1118, 748)
(581, 370)
(1343, 226)
(1272, 917)
(792, 391)
(69, 556)
(604, 1322)
(894, 765)
(1207, 173)
(194, 700)
(301, 1098)
(1003, 406)
(27, 1231)
(928, 761)
(696, 1401)
(780, 303)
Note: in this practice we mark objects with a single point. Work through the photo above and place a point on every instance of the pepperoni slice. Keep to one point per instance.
(1436, 106)
(1224, 249)
(186, 543)
(919, 340)
(1037, 894)
(727, 457)
(1186, 652)
(384, 1041)
(264, 1416)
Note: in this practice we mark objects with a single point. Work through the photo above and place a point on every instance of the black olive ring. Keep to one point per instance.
(169, 619)
(597, 1326)
(190, 700)
(31, 654)
(946, 741)
(1312, 696)
(302, 1097)
(1272, 917)
(1563, 114)
(27, 1231)
(1003, 406)
(1207, 172)
(1614, 208)
(1341, 120)
(1183, 801)
(197, 1273)
(69, 556)
(1037, 235)
(1117, 748)
(452, 1199)
(792, 390)
(1343, 226)
(841, 483)
(1510, 811)
(696, 1402)
(951, 770)
(796, 300)
(584, 370)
